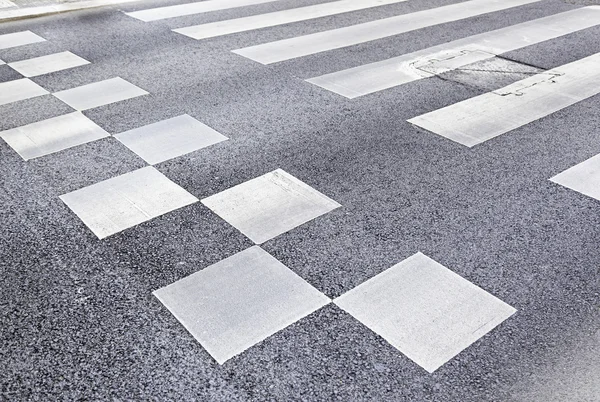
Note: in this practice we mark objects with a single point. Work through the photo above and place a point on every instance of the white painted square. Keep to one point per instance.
(269, 205)
(169, 138)
(48, 64)
(7, 4)
(426, 311)
(240, 301)
(19, 39)
(99, 93)
(17, 90)
(583, 177)
(116, 204)
(52, 135)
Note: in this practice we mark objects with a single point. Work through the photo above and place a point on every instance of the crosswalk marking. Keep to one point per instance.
(280, 17)
(19, 39)
(99, 93)
(583, 177)
(116, 204)
(17, 90)
(7, 4)
(269, 205)
(169, 138)
(48, 64)
(160, 13)
(299, 46)
(52, 135)
(240, 301)
(426, 311)
(374, 77)
(483, 117)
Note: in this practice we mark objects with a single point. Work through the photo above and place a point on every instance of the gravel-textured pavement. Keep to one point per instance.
(78, 318)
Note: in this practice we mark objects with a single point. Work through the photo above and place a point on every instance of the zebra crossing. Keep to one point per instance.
(423, 309)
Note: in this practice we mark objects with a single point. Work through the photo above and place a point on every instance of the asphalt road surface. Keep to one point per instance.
(215, 220)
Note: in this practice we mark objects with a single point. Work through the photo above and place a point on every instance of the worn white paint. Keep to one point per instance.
(19, 39)
(99, 93)
(240, 301)
(299, 46)
(116, 204)
(374, 77)
(269, 205)
(179, 10)
(424, 310)
(483, 117)
(52, 135)
(48, 64)
(169, 138)
(17, 90)
(7, 4)
(281, 17)
(583, 178)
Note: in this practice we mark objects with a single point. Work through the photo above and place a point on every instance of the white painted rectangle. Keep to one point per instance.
(19, 39)
(240, 301)
(299, 46)
(179, 10)
(280, 18)
(269, 205)
(116, 204)
(583, 178)
(424, 310)
(7, 4)
(48, 64)
(169, 138)
(483, 117)
(99, 93)
(52, 135)
(374, 77)
(17, 90)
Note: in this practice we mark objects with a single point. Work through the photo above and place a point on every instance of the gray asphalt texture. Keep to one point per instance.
(79, 321)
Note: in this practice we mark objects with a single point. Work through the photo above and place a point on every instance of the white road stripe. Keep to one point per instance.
(52, 135)
(48, 64)
(99, 93)
(17, 90)
(122, 202)
(161, 13)
(299, 46)
(483, 117)
(583, 178)
(7, 4)
(373, 77)
(281, 17)
(19, 39)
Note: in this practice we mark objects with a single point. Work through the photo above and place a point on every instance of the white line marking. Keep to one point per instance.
(583, 178)
(483, 117)
(19, 39)
(116, 204)
(287, 49)
(281, 17)
(7, 4)
(269, 205)
(99, 93)
(48, 64)
(160, 13)
(17, 90)
(52, 135)
(232, 305)
(374, 77)
(169, 138)
(424, 310)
